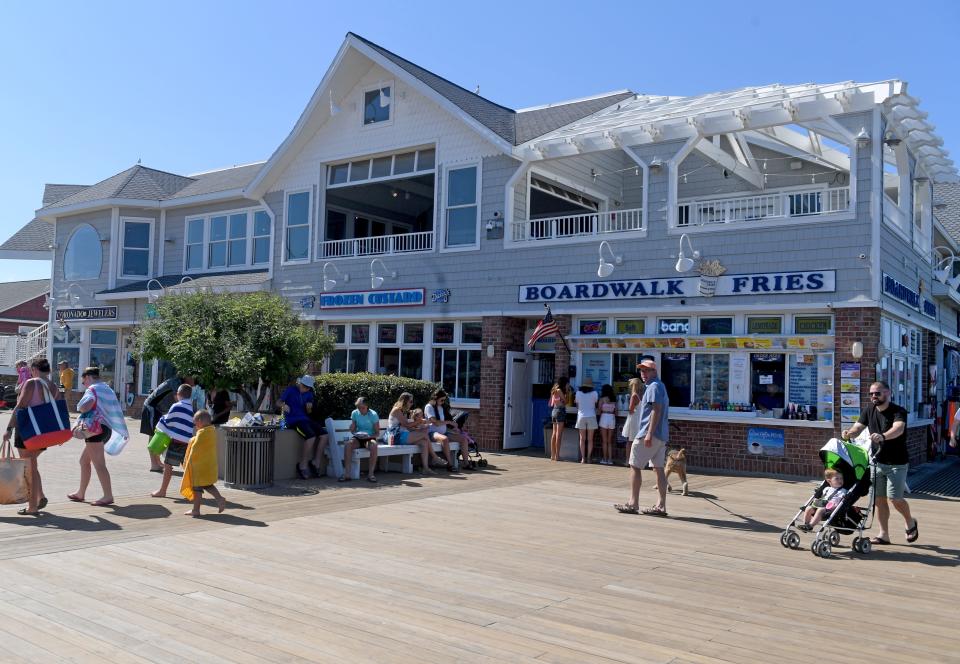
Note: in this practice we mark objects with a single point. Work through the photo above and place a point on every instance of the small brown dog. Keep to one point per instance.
(677, 463)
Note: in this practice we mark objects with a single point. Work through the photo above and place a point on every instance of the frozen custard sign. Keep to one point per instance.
(821, 281)
(410, 297)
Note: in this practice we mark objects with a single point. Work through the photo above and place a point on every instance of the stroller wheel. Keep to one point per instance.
(855, 544)
(482, 463)
(783, 539)
(865, 546)
(825, 550)
(834, 538)
(815, 547)
(793, 540)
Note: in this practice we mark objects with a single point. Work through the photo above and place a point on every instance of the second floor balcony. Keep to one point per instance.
(757, 208)
(589, 224)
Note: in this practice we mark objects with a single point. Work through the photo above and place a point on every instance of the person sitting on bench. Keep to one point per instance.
(365, 427)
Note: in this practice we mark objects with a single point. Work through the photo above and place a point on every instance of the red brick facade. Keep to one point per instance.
(504, 334)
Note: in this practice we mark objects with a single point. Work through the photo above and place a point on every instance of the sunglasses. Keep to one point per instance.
(876, 394)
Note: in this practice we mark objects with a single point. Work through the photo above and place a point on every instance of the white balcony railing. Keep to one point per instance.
(776, 205)
(16, 347)
(577, 225)
(403, 243)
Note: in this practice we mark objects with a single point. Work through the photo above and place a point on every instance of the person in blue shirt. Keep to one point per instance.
(365, 427)
(296, 403)
(650, 444)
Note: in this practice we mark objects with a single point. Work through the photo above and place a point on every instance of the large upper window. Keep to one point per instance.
(297, 244)
(136, 248)
(462, 208)
(397, 165)
(376, 105)
(82, 258)
(227, 240)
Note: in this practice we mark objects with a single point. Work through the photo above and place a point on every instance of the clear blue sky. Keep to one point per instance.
(87, 88)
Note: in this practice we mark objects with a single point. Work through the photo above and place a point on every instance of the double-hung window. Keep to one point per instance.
(456, 366)
(227, 240)
(297, 245)
(136, 247)
(462, 213)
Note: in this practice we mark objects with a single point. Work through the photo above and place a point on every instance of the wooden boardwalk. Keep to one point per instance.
(526, 562)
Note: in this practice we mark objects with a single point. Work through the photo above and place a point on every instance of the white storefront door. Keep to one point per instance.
(516, 421)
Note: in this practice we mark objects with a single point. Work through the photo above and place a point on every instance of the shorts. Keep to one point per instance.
(588, 422)
(400, 437)
(640, 454)
(361, 442)
(559, 415)
(175, 453)
(306, 429)
(608, 421)
(890, 481)
(433, 436)
(102, 437)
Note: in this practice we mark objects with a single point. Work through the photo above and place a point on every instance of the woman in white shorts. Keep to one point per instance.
(608, 422)
(586, 401)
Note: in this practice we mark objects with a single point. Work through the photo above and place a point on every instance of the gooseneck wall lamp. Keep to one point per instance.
(330, 283)
(684, 263)
(606, 268)
(376, 280)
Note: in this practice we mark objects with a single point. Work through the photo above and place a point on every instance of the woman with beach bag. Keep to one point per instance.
(38, 421)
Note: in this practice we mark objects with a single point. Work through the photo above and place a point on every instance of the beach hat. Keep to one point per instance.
(306, 380)
(587, 382)
(647, 364)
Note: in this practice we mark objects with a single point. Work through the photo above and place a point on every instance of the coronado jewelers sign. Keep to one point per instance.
(822, 281)
(410, 297)
(87, 313)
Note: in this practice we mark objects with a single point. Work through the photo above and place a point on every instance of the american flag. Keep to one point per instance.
(545, 328)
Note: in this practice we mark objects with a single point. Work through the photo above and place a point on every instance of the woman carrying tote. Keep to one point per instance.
(99, 398)
(32, 394)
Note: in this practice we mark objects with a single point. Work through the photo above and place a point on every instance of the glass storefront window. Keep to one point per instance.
(471, 333)
(712, 379)
(106, 359)
(359, 334)
(413, 333)
(66, 336)
(443, 333)
(768, 380)
(339, 332)
(411, 363)
(764, 325)
(675, 373)
(458, 371)
(71, 355)
(631, 326)
(103, 337)
(719, 325)
(387, 333)
(357, 360)
(337, 363)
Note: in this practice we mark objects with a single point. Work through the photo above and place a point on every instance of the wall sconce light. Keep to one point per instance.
(656, 165)
(328, 283)
(606, 269)
(73, 297)
(151, 296)
(685, 264)
(491, 351)
(334, 109)
(856, 350)
(863, 137)
(890, 139)
(376, 280)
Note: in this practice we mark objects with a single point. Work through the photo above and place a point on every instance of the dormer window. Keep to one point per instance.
(376, 105)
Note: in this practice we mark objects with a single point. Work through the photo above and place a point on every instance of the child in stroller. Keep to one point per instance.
(826, 503)
(852, 464)
(473, 452)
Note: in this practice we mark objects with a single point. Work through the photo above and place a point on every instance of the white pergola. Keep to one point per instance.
(763, 115)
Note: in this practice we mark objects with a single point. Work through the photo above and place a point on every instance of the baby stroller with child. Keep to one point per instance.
(473, 452)
(854, 461)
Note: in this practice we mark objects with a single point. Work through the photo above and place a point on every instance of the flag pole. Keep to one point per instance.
(559, 333)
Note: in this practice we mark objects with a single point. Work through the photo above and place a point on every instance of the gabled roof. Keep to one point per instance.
(512, 126)
(15, 293)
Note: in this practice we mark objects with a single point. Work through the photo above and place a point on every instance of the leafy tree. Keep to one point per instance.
(233, 341)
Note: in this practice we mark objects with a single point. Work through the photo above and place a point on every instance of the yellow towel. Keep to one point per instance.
(200, 463)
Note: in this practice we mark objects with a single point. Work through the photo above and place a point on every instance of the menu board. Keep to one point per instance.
(825, 387)
(849, 392)
(803, 379)
(597, 366)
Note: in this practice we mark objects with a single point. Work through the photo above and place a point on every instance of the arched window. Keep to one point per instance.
(83, 257)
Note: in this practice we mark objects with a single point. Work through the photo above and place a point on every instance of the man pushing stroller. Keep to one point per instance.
(887, 424)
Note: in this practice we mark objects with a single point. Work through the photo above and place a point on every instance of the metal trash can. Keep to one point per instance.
(249, 456)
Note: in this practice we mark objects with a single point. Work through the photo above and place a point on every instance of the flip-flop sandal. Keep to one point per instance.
(42, 503)
(372, 479)
(913, 533)
(344, 479)
(77, 499)
(102, 503)
(877, 540)
(653, 511)
(626, 509)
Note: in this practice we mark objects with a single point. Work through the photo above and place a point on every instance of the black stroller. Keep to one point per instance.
(473, 452)
(855, 463)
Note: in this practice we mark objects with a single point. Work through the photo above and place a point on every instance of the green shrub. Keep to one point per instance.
(337, 392)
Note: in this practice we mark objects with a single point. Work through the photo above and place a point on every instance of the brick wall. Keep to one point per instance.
(562, 356)
(505, 334)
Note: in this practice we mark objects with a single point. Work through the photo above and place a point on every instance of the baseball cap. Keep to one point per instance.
(648, 364)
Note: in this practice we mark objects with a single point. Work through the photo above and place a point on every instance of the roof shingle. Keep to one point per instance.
(14, 293)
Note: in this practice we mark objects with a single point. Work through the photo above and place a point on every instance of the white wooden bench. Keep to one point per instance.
(338, 433)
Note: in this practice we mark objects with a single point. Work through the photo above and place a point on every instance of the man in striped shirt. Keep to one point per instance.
(178, 424)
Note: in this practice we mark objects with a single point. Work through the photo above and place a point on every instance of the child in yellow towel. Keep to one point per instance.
(200, 465)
